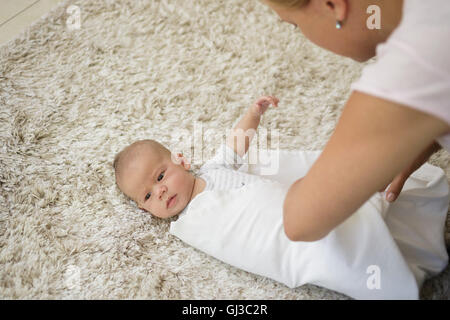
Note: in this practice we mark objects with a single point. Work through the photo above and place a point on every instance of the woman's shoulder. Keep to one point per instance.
(423, 34)
(412, 67)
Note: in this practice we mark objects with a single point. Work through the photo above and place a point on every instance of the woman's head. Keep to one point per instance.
(291, 3)
(317, 21)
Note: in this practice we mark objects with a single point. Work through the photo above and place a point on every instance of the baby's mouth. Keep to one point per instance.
(171, 201)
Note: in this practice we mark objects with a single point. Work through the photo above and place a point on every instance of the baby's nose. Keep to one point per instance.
(162, 190)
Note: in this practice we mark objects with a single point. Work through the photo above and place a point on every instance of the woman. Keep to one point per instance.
(397, 115)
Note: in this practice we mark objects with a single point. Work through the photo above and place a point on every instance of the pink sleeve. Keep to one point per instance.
(401, 75)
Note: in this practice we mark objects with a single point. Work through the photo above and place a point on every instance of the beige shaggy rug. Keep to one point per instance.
(71, 96)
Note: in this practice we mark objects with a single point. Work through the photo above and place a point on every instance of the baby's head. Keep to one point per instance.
(158, 181)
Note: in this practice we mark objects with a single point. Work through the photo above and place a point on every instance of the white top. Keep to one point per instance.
(221, 171)
(413, 65)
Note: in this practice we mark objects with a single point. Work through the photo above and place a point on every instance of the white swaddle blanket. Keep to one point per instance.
(382, 251)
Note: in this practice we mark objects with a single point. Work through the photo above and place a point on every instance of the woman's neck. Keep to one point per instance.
(391, 16)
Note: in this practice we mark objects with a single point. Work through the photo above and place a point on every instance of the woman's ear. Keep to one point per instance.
(339, 8)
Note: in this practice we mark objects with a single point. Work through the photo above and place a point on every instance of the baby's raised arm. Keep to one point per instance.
(242, 134)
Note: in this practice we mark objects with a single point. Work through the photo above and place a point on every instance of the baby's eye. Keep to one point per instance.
(162, 174)
(148, 196)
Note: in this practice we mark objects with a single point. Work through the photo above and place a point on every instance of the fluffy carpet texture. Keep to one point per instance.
(71, 98)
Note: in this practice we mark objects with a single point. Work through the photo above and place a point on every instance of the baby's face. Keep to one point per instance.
(158, 184)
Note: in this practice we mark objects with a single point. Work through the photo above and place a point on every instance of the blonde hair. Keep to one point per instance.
(291, 3)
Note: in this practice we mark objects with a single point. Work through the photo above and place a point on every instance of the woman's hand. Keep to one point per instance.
(397, 184)
(260, 106)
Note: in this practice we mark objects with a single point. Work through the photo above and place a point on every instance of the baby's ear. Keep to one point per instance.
(185, 163)
(178, 158)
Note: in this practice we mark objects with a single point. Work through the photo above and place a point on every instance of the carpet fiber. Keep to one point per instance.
(71, 97)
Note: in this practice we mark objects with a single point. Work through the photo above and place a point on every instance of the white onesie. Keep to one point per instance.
(221, 171)
(382, 251)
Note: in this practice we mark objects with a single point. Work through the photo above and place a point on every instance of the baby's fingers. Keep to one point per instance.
(275, 101)
(267, 100)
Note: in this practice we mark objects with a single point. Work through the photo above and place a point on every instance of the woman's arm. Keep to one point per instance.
(373, 141)
(396, 185)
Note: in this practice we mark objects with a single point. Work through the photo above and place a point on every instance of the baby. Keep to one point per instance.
(379, 252)
(161, 183)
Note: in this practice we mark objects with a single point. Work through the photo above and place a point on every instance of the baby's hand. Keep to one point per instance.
(260, 106)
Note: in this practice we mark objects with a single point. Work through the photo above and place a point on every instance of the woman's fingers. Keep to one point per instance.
(396, 187)
(399, 181)
(384, 188)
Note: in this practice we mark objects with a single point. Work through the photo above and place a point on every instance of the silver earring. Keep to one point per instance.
(338, 24)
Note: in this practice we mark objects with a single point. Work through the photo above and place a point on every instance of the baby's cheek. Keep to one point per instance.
(180, 183)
